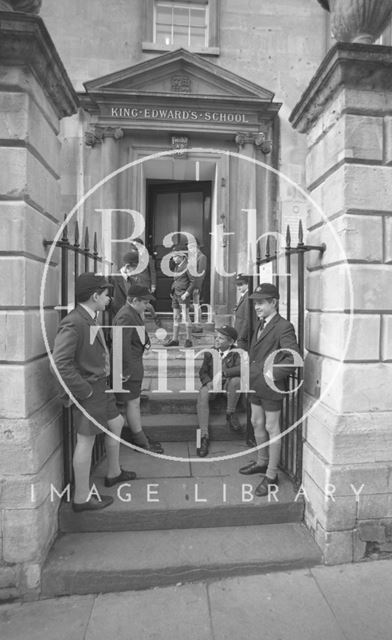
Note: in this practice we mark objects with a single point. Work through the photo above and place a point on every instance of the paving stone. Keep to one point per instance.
(283, 606)
(161, 614)
(63, 619)
(360, 597)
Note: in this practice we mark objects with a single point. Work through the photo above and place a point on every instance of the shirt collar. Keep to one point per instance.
(269, 318)
(90, 312)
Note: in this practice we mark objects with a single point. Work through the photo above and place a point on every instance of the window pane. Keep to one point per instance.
(198, 17)
(164, 15)
(181, 17)
(163, 35)
(181, 36)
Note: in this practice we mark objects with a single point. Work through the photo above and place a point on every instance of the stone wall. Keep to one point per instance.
(277, 44)
(345, 114)
(35, 93)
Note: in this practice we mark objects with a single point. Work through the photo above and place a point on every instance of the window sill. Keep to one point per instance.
(158, 48)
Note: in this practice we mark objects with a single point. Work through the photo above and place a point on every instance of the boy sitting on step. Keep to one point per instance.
(225, 338)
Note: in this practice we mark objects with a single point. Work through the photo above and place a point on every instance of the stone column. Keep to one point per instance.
(345, 113)
(35, 94)
(110, 224)
(247, 173)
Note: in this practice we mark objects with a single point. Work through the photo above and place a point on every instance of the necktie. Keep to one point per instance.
(261, 327)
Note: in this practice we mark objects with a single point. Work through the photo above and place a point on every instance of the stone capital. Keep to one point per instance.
(25, 42)
(355, 67)
(96, 134)
(258, 139)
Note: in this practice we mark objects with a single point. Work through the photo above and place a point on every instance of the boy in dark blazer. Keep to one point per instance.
(231, 383)
(241, 311)
(82, 361)
(182, 289)
(134, 342)
(272, 333)
(125, 278)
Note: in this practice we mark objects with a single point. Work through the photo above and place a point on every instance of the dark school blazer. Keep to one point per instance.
(278, 333)
(241, 321)
(230, 367)
(133, 346)
(79, 362)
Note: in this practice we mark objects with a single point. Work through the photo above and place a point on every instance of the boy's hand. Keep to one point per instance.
(185, 295)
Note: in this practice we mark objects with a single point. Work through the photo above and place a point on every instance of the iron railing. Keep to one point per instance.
(75, 259)
(291, 287)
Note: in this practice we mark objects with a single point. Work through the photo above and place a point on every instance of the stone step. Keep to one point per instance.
(181, 427)
(84, 563)
(190, 493)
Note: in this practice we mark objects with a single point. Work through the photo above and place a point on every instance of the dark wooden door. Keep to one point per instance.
(173, 207)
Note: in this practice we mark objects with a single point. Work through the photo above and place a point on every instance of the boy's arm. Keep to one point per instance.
(287, 341)
(64, 353)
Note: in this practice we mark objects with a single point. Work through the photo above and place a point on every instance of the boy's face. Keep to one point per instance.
(265, 307)
(222, 342)
(101, 299)
(140, 305)
(241, 288)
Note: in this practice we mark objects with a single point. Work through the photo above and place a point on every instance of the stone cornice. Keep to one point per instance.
(25, 41)
(353, 66)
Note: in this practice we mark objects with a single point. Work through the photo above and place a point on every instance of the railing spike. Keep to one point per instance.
(300, 233)
(76, 242)
(65, 231)
(86, 240)
(267, 247)
(95, 245)
(288, 237)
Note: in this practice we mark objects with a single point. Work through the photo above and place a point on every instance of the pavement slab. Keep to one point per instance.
(57, 619)
(361, 598)
(159, 614)
(281, 606)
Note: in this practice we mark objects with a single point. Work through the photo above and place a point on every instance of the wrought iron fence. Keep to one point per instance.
(75, 259)
(288, 275)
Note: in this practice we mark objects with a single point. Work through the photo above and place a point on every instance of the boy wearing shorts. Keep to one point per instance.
(181, 295)
(82, 360)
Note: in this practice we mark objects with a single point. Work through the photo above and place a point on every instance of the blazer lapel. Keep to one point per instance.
(91, 323)
(268, 327)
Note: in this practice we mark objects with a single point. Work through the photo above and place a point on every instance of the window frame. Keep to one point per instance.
(212, 27)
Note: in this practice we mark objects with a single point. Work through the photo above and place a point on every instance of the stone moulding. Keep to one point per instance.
(25, 42)
(352, 66)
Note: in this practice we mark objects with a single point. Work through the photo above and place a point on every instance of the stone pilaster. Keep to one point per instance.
(35, 94)
(345, 114)
(246, 180)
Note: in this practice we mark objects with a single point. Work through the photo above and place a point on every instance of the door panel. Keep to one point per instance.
(173, 207)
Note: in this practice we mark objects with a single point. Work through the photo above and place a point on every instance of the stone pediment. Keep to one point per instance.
(178, 73)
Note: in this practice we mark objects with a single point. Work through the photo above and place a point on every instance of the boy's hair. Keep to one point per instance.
(83, 297)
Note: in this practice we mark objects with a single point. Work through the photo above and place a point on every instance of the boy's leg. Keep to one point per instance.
(272, 426)
(261, 434)
(232, 387)
(112, 446)
(81, 466)
(188, 323)
(134, 420)
(203, 409)
(176, 323)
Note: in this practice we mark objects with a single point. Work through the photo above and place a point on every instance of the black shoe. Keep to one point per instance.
(188, 344)
(154, 445)
(203, 451)
(262, 488)
(252, 468)
(171, 343)
(233, 422)
(124, 476)
(93, 504)
(251, 442)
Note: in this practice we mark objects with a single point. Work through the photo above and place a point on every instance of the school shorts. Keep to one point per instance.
(100, 405)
